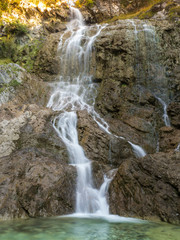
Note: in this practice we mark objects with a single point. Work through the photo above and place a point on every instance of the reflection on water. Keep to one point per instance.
(68, 228)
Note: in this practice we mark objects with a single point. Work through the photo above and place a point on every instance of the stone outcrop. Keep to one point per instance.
(128, 89)
(148, 187)
(35, 178)
(131, 77)
(105, 10)
(33, 185)
(11, 75)
(47, 62)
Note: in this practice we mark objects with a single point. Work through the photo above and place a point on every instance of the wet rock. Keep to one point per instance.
(169, 139)
(126, 94)
(148, 187)
(35, 185)
(35, 175)
(174, 113)
(47, 63)
(100, 146)
(29, 127)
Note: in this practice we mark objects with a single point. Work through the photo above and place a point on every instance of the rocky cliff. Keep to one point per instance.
(136, 62)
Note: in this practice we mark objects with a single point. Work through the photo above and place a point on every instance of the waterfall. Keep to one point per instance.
(148, 68)
(75, 91)
(159, 84)
(139, 151)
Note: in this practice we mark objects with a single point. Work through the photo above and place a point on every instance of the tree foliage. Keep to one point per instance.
(4, 5)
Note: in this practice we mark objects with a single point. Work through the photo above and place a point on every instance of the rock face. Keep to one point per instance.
(132, 75)
(35, 176)
(148, 187)
(11, 75)
(105, 10)
(33, 185)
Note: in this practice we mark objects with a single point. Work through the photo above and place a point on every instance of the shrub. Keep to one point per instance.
(7, 47)
(16, 28)
(4, 5)
(87, 3)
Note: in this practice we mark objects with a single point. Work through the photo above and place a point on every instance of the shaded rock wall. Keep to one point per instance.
(148, 187)
(35, 178)
(132, 70)
(132, 73)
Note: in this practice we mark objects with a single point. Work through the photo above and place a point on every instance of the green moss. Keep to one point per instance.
(27, 54)
(7, 47)
(174, 12)
(87, 3)
(14, 84)
(146, 15)
(124, 85)
(6, 87)
(2, 89)
(143, 12)
(5, 61)
(16, 28)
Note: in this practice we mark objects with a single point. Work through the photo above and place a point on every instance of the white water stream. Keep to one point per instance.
(75, 91)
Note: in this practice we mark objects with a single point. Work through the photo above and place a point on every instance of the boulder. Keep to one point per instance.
(35, 175)
(35, 185)
(148, 187)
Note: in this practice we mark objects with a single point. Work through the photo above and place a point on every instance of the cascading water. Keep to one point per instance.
(148, 68)
(75, 91)
(159, 86)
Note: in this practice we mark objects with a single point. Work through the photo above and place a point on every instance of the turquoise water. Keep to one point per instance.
(70, 228)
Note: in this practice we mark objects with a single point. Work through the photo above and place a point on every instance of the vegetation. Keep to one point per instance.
(5, 61)
(16, 28)
(22, 54)
(147, 10)
(174, 13)
(26, 55)
(7, 47)
(6, 86)
(87, 3)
